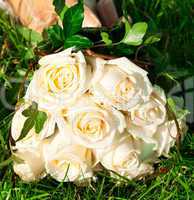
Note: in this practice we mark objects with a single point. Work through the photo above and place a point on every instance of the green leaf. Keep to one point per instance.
(55, 35)
(30, 35)
(127, 27)
(34, 118)
(171, 103)
(152, 39)
(29, 54)
(72, 20)
(134, 35)
(31, 110)
(182, 114)
(27, 112)
(40, 119)
(105, 38)
(122, 50)
(78, 41)
(28, 125)
(59, 5)
(169, 76)
(60, 8)
(179, 113)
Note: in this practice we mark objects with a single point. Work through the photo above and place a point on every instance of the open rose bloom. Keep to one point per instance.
(99, 112)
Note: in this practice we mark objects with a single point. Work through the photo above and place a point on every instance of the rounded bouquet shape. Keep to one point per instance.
(82, 111)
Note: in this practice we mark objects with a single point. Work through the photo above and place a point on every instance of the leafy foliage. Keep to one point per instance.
(67, 36)
(78, 41)
(55, 36)
(72, 20)
(180, 113)
(105, 38)
(30, 35)
(173, 20)
(59, 6)
(152, 39)
(34, 118)
(134, 35)
(72, 34)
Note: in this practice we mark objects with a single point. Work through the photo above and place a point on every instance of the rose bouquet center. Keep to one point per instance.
(83, 113)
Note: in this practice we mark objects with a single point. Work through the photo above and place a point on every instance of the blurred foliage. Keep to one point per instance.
(172, 59)
(17, 53)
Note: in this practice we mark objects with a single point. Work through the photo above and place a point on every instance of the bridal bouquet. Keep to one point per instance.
(83, 113)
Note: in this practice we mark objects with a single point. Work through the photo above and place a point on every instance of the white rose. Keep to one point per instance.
(119, 82)
(93, 125)
(28, 151)
(143, 121)
(123, 158)
(66, 161)
(19, 120)
(61, 78)
(165, 136)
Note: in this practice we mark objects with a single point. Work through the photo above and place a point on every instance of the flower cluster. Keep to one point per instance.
(100, 113)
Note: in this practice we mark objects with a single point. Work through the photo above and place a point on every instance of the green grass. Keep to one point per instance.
(173, 179)
(172, 57)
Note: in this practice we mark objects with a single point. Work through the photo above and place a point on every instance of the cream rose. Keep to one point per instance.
(61, 78)
(143, 121)
(119, 83)
(66, 161)
(19, 120)
(123, 158)
(28, 151)
(93, 125)
(166, 134)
